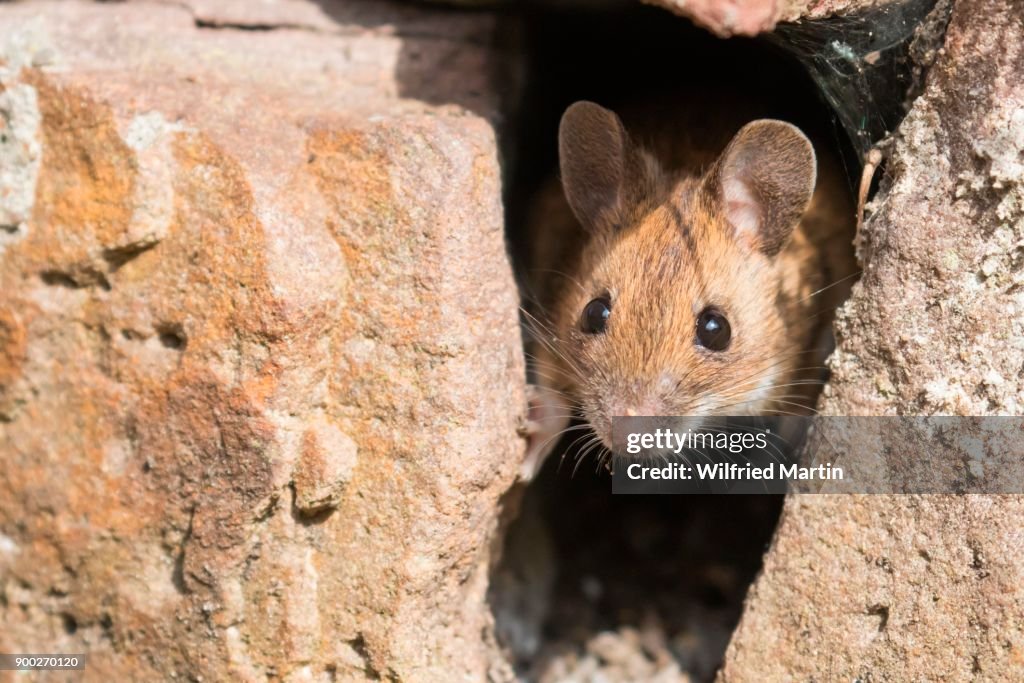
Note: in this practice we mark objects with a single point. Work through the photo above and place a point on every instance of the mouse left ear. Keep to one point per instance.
(593, 153)
(764, 181)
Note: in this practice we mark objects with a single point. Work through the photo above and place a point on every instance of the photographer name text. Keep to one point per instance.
(732, 471)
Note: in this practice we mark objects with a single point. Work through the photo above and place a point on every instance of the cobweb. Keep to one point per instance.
(869, 66)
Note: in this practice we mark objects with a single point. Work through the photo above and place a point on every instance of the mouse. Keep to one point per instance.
(693, 273)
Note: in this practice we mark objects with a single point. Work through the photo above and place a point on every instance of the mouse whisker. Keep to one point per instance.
(561, 433)
(568, 277)
(758, 376)
(589, 448)
(830, 286)
(552, 379)
(543, 338)
(586, 435)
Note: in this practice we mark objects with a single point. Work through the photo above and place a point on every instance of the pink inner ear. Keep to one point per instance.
(741, 208)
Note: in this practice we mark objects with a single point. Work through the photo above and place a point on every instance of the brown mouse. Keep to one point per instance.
(697, 277)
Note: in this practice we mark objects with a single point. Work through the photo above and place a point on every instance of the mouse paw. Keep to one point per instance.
(548, 416)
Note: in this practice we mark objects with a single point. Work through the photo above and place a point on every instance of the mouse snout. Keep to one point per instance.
(634, 401)
(648, 406)
(642, 398)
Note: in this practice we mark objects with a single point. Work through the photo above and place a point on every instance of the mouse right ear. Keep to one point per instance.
(593, 149)
(764, 181)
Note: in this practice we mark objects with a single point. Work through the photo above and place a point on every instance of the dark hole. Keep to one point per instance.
(882, 612)
(119, 256)
(172, 336)
(584, 572)
(70, 623)
(583, 568)
(106, 622)
(86, 277)
(132, 335)
(56, 278)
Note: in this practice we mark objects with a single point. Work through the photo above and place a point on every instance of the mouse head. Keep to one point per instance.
(686, 300)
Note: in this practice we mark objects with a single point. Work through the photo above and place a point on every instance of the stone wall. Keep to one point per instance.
(919, 587)
(261, 380)
(260, 365)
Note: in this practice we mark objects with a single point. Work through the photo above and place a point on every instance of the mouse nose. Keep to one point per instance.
(636, 408)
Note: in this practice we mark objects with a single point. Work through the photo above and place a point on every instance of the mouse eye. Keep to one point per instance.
(713, 330)
(595, 315)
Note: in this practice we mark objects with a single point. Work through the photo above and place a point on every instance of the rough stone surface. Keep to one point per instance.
(724, 18)
(727, 17)
(260, 372)
(325, 464)
(912, 587)
(750, 17)
(260, 368)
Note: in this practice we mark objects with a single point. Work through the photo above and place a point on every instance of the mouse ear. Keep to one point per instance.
(593, 149)
(764, 181)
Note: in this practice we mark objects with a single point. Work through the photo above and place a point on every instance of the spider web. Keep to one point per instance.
(869, 66)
